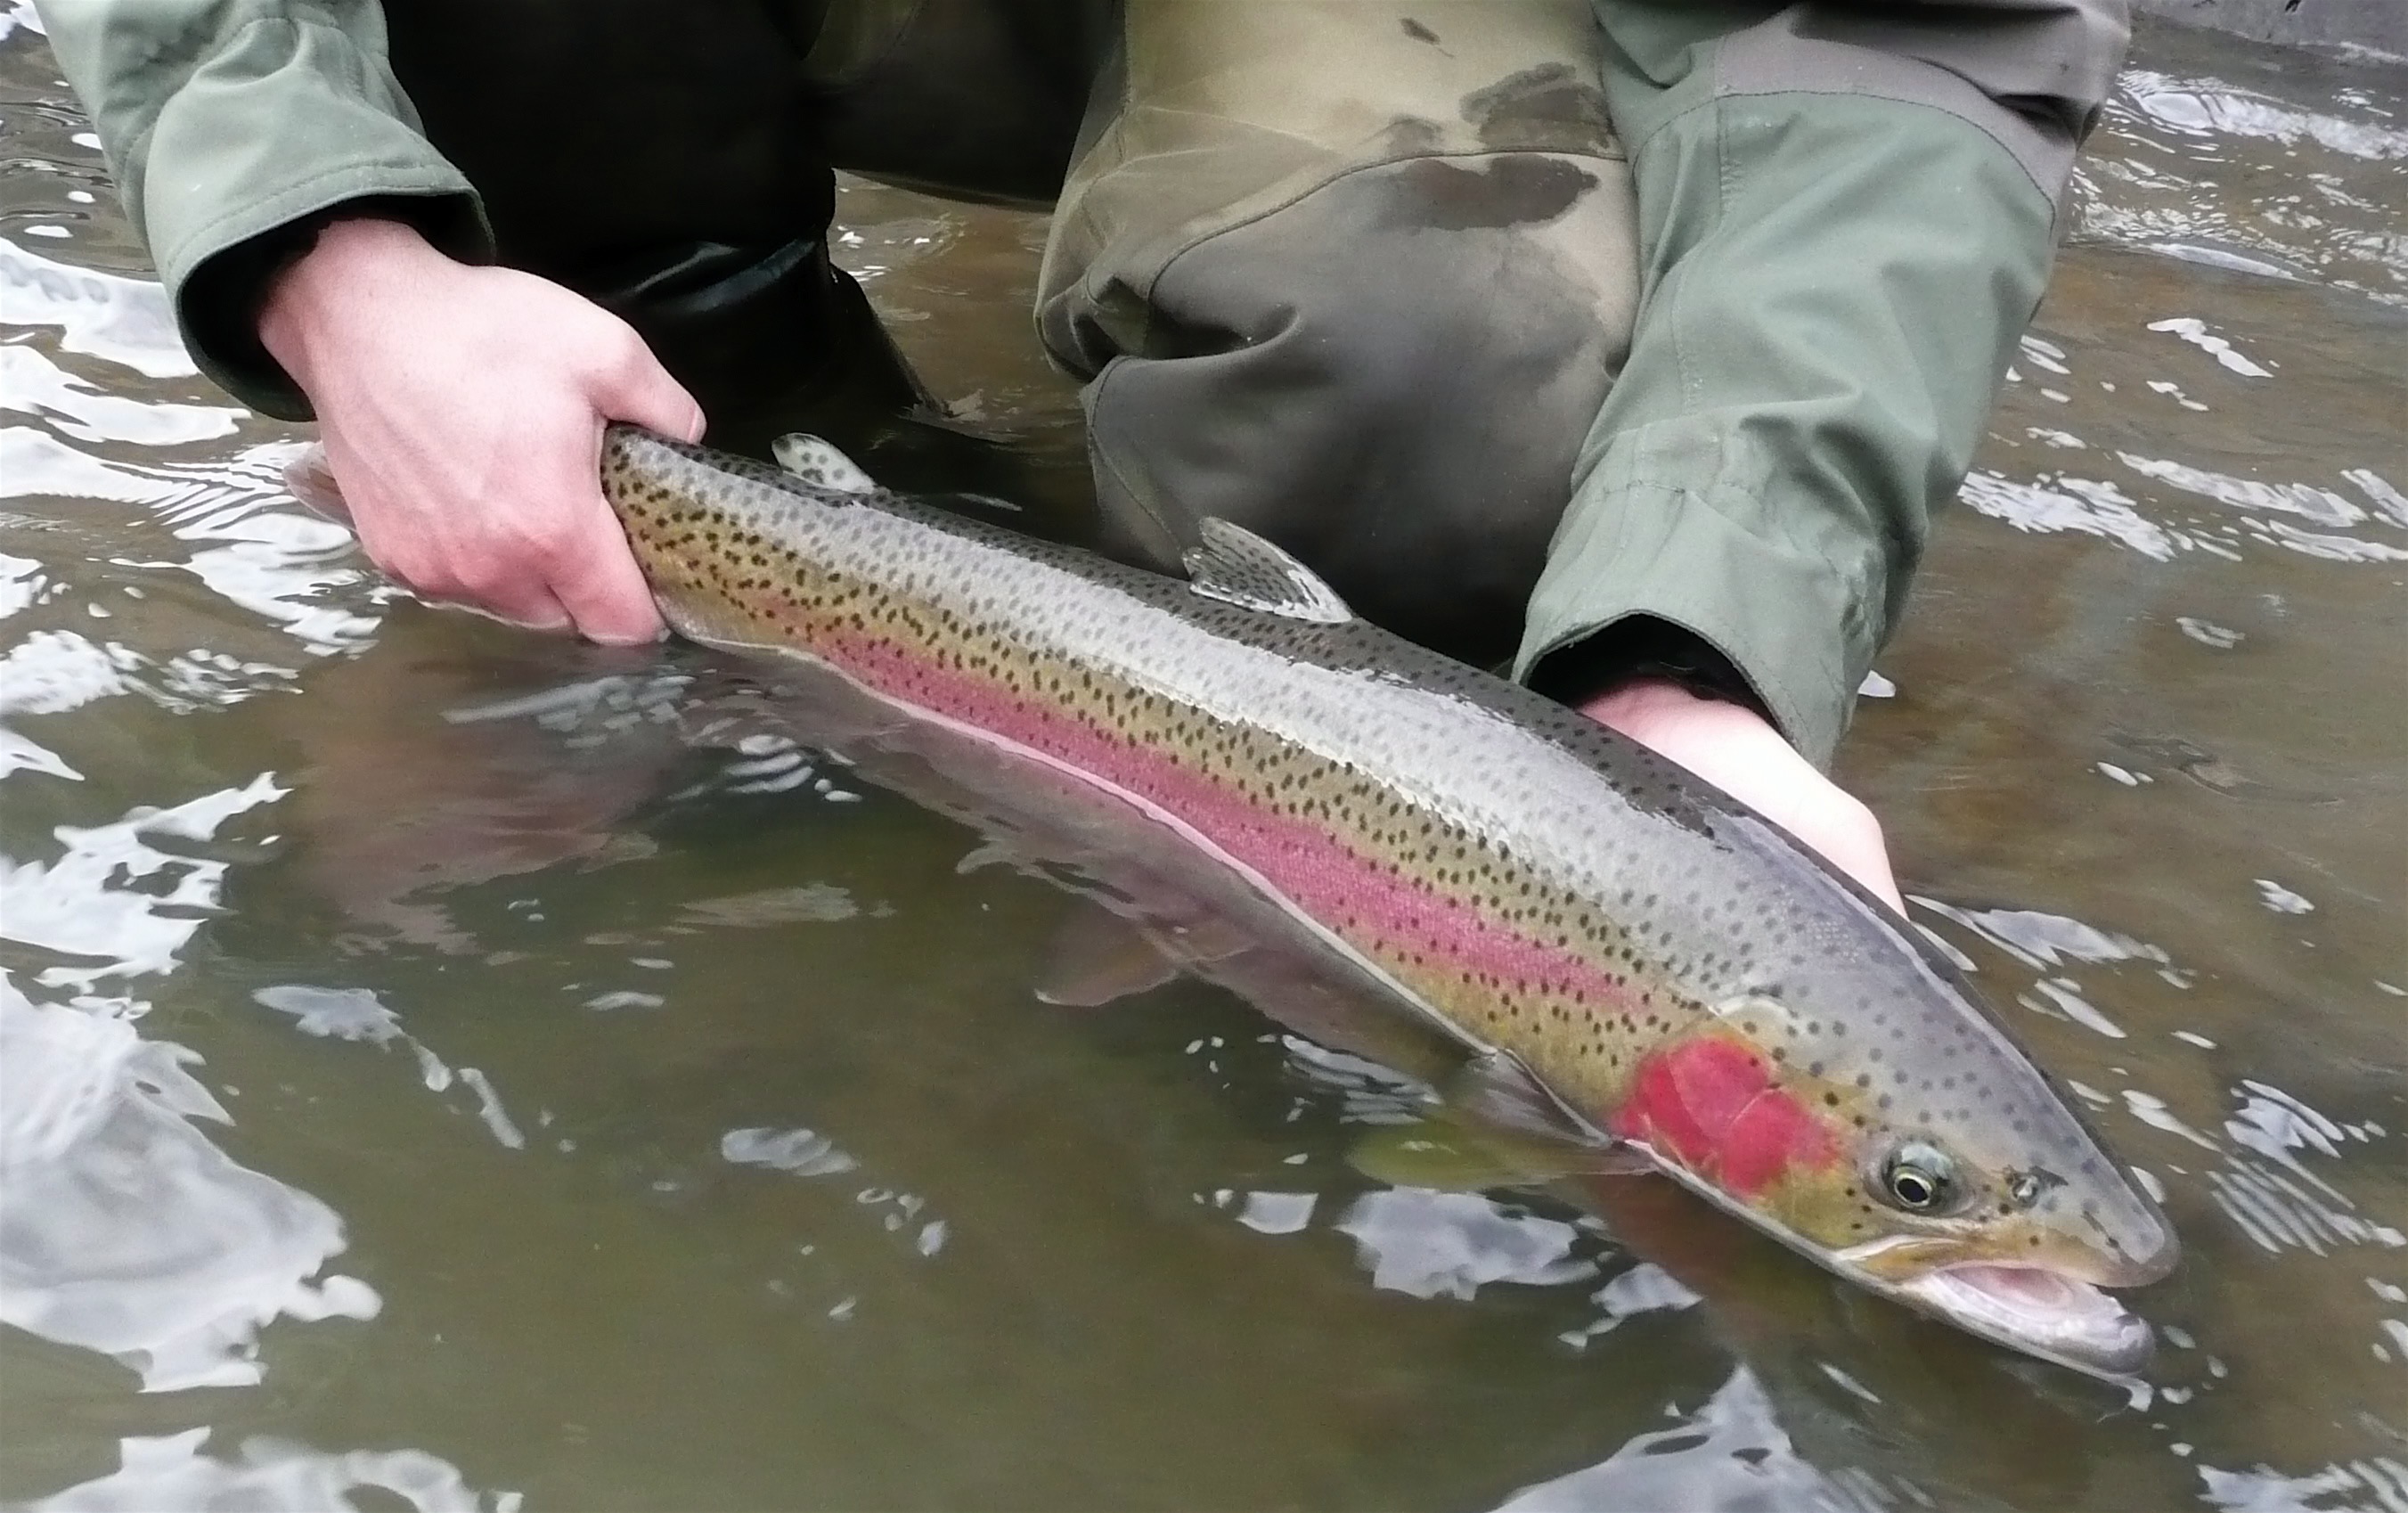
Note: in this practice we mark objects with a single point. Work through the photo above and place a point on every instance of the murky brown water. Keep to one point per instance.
(429, 1082)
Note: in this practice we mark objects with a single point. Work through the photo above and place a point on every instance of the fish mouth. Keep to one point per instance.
(2059, 1309)
(2036, 1309)
(2028, 1306)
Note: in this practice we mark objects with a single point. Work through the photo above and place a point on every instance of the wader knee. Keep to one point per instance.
(1355, 274)
(1390, 376)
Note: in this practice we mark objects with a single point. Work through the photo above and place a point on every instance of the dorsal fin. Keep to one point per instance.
(817, 461)
(1234, 565)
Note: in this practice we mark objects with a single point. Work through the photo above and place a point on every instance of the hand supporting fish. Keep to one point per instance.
(1616, 944)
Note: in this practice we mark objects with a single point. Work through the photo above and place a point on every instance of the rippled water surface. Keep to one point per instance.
(429, 1078)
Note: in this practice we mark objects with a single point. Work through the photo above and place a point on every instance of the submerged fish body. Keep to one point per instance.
(1671, 970)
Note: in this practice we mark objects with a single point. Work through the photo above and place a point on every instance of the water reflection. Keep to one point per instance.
(2181, 165)
(266, 1476)
(1731, 1453)
(116, 901)
(246, 541)
(126, 1231)
(117, 320)
(2145, 508)
(32, 384)
(1451, 1245)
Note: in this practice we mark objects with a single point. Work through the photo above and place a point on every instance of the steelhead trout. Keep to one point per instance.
(1660, 968)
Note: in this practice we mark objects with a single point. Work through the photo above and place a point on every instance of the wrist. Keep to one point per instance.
(317, 291)
(1643, 661)
(1677, 719)
(1644, 697)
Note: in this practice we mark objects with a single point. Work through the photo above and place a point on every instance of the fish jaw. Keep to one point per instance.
(2055, 1302)
(2059, 1308)
(2035, 1309)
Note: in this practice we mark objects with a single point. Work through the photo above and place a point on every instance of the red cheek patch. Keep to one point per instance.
(1712, 1104)
(1774, 1135)
(1654, 1115)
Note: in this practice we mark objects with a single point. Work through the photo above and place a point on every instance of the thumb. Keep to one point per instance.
(642, 392)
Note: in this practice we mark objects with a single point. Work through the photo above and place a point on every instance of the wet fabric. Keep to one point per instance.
(1388, 250)
(1382, 281)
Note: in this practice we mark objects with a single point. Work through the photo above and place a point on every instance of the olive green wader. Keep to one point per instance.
(1616, 333)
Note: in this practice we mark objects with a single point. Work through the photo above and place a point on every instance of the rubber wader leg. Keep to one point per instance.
(676, 175)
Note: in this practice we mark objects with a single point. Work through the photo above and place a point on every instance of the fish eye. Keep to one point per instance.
(1920, 1177)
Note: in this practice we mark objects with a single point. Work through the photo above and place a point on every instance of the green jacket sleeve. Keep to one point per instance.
(1837, 259)
(231, 123)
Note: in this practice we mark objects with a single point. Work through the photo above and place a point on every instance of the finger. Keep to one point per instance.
(536, 610)
(604, 591)
(639, 389)
(393, 551)
(598, 580)
(387, 536)
(501, 584)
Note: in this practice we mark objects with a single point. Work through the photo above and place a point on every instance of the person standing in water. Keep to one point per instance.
(1630, 341)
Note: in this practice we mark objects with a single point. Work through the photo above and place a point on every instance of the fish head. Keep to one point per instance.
(1882, 1123)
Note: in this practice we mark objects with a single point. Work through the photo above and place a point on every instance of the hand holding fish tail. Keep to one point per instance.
(462, 410)
(1743, 754)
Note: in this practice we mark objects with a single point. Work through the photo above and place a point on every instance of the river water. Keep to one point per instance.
(428, 1080)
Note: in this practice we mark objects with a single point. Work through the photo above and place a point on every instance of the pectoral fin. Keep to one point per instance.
(1498, 1091)
(1494, 1126)
(310, 479)
(1097, 956)
(1445, 1153)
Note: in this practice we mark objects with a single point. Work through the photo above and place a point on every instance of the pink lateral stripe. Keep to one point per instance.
(1387, 914)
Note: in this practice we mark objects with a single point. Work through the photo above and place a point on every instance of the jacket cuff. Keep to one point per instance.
(287, 122)
(1675, 550)
(1834, 284)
